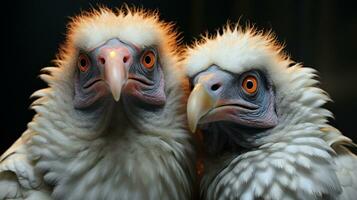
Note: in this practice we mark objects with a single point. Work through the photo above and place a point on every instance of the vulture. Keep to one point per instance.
(265, 134)
(112, 123)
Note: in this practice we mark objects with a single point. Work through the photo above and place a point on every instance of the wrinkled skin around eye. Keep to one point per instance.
(146, 85)
(239, 117)
(88, 88)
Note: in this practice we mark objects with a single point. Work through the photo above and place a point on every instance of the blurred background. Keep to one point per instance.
(320, 34)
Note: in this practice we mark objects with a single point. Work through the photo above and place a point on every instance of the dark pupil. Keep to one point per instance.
(147, 59)
(83, 62)
(250, 84)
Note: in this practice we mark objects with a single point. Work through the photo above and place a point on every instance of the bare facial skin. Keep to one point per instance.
(224, 101)
(119, 69)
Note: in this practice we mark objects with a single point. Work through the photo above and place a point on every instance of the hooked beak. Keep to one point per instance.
(199, 104)
(116, 61)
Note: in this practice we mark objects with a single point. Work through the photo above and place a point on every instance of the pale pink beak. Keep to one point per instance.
(116, 61)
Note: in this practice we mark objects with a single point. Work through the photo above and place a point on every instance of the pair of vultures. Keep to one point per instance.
(126, 102)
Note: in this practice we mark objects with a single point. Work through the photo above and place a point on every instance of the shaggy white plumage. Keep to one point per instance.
(65, 154)
(302, 157)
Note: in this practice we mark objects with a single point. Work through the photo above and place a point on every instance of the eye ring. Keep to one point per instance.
(250, 84)
(148, 59)
(83, 63)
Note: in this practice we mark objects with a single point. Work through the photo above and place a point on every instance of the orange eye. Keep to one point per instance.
(148, 59)
(250, 84)
(83, 63)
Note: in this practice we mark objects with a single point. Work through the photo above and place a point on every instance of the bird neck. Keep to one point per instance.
(300, 166)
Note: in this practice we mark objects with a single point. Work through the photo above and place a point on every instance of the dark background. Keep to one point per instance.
(321, 34)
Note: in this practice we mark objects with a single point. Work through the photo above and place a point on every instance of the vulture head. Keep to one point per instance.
(116, 60)
(113, 117)
(260, 117)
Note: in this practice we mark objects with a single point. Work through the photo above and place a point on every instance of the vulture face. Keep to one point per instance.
(119, 69)
(246, 99)
(236, 89)
(242, 103)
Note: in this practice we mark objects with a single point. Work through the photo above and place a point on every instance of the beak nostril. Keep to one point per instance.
(125, 59)
(215, 87)
(102, 60)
